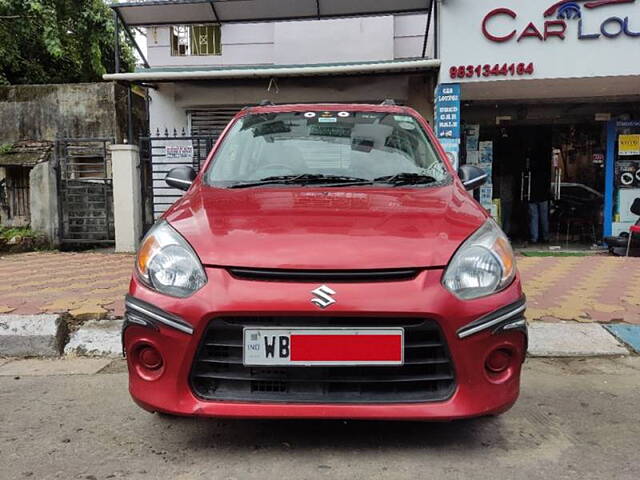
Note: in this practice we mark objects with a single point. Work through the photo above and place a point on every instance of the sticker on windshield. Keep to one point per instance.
(343, 114)
(407, 125)
(402, 118)
(310, 114)
(327, 119)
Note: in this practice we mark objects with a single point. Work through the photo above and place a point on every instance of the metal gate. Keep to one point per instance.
(211, 121)
(160, 154)
(85, 190)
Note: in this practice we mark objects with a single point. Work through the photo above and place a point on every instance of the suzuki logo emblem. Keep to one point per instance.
(323, 296)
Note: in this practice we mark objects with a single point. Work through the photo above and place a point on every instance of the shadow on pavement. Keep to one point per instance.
(201, 433)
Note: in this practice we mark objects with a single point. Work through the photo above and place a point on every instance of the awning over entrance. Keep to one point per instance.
(268, 71)
(164, 12)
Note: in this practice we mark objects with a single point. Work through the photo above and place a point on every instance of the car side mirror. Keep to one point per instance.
(472, 177)
(180, 177)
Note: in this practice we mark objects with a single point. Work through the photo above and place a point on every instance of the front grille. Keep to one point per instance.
(426, 376)
(281, 275)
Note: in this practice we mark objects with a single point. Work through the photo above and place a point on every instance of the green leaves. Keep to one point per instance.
(58, 41)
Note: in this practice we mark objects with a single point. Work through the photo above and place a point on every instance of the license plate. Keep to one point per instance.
(312, 346)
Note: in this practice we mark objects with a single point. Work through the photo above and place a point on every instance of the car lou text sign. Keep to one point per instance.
(507, 25)
(544, 39)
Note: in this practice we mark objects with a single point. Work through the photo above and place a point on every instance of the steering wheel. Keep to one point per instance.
(274, 169)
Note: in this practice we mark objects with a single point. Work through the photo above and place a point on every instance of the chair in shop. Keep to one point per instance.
(573, 221)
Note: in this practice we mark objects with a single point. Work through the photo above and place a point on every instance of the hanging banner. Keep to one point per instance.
(628, 145)
(448, 110)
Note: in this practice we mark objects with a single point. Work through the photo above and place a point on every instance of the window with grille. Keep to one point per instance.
(190, 40)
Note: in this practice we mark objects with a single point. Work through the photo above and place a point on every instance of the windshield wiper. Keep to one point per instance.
(406, 178)
(305, 179)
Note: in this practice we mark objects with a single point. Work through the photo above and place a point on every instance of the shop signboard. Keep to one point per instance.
(451, 147)
(628, 145)
(448, 110)
(516, 39)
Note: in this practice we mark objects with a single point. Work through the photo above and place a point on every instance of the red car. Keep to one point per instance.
(326, 262)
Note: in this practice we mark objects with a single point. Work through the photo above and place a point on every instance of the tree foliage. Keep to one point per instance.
(58, 41)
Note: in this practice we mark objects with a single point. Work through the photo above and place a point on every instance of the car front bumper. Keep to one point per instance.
(472, 330)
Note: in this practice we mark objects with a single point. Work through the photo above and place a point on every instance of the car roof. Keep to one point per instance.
(319, 107)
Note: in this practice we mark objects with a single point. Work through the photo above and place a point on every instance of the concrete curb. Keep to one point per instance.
(96, 339)
(570, 339)
(47, 336)
(32, 335)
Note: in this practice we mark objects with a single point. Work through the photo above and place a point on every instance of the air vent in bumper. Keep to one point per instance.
(426, 376)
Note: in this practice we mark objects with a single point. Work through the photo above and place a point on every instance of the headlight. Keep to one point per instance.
(484, 264)
(168, 264)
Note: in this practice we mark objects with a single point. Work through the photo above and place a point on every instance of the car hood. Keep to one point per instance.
(326, 228)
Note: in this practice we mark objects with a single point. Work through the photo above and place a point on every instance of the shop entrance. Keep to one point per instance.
(548, 180)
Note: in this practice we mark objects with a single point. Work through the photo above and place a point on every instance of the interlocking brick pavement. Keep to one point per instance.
(595, 288)
(93, 285)
(84, 284)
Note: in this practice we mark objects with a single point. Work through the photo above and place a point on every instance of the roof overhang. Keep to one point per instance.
(165, 12)
(191, 74)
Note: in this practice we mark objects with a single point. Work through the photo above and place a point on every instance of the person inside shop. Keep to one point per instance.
(538, 207)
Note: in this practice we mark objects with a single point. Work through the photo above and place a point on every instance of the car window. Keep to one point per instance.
(365, 145)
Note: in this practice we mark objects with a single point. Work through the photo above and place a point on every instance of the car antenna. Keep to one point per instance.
(388, 101)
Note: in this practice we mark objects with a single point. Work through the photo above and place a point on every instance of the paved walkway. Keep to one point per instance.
(92, 285)
(87, 285)
(596, 288)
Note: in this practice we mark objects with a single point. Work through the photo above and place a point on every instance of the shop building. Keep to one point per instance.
(546, 96)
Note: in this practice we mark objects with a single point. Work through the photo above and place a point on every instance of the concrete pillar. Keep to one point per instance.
(127, 196)
(43, 202)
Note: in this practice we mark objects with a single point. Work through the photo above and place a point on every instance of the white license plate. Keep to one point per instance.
(323, 346)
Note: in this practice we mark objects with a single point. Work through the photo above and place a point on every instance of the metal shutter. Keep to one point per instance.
(211, 121)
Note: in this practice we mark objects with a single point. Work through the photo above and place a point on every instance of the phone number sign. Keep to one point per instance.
(448, 110)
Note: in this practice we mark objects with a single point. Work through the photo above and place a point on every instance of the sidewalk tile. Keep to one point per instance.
(629, 334)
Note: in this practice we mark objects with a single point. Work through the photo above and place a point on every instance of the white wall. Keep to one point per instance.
(334, 41)
(462, 41)
(408, 36)
(164, 112)
(242, 44)
(303, 42)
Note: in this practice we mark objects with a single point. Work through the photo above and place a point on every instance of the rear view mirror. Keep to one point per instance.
(472, 177)
(180, 177)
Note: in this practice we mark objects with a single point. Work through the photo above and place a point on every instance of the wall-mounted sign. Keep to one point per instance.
(487, 70)
(520, 39)
(179, 152)
(628, 145)
(499, 25)
(448, 110)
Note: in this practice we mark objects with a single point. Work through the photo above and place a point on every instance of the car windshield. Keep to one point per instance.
(337, 148)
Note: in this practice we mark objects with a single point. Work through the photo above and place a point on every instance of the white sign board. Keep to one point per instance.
(179, 152)
(488, 40)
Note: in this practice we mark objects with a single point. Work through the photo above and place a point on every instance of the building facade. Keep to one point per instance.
(547, 96)
(55, 167)
(207, 60)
